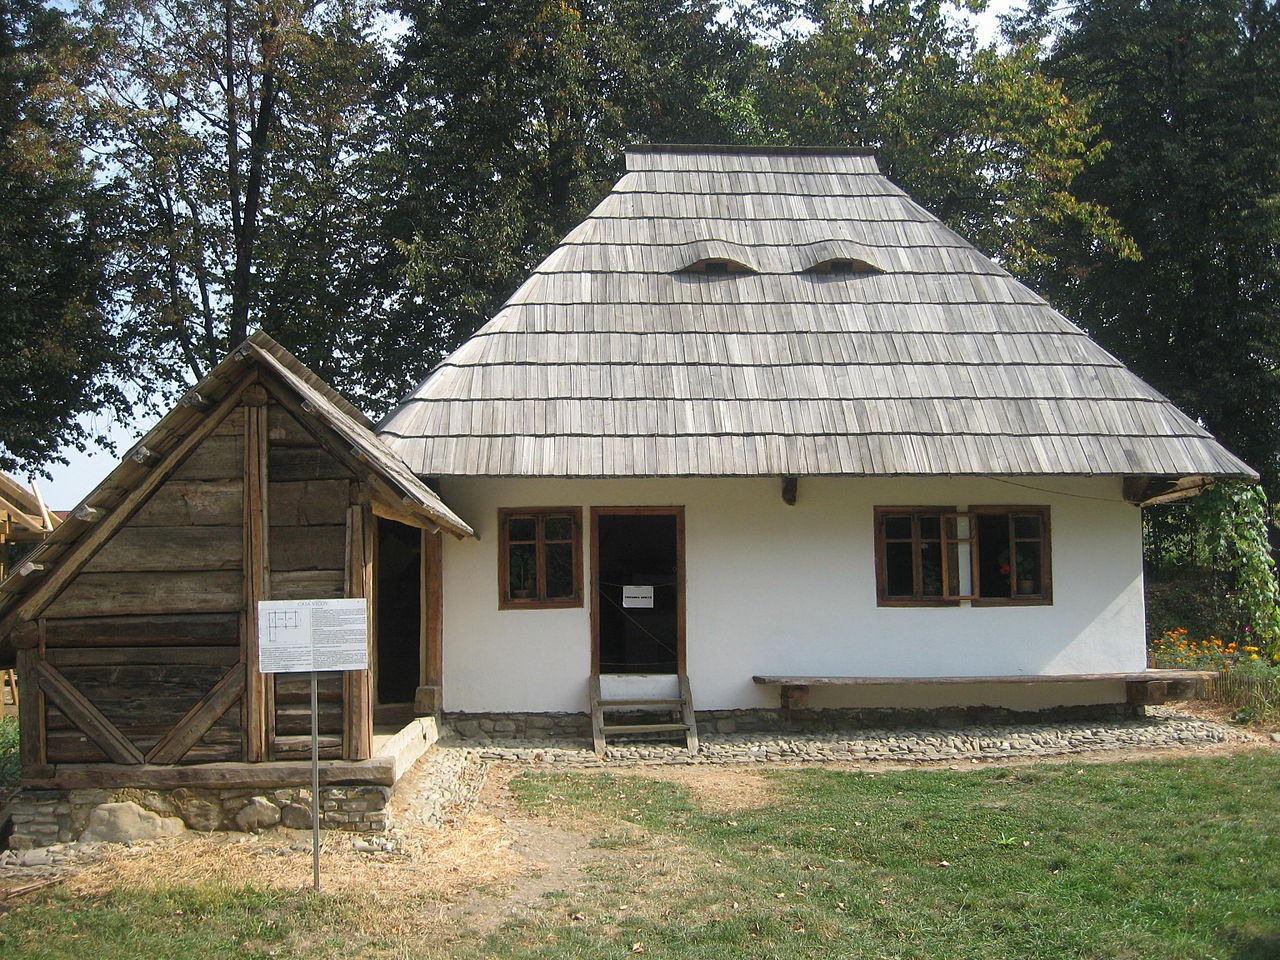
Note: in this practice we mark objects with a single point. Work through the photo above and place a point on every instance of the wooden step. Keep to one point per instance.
(673, 703)
(644, 728)
(681, 704)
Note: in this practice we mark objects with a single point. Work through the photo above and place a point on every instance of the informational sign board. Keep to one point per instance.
(637, 597)
(300, 636)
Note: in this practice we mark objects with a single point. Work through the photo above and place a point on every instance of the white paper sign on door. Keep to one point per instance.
(637, 597)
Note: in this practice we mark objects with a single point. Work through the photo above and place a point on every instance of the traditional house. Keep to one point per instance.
(761, 420)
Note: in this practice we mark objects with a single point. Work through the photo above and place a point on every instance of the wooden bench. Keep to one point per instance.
(1141, 687)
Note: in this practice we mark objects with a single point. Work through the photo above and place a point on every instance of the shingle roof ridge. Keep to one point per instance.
(753, 150)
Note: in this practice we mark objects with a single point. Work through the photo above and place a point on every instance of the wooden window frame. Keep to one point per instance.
(1045, 596)
(951, 547)
(883, 598)
(540, 601)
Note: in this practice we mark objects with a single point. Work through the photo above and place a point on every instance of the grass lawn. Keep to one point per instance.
(1178, 860)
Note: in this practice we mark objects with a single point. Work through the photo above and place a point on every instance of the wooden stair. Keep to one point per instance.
(610, 693)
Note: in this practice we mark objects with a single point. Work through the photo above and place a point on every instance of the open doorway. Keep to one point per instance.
(637, 612)
(399, 614)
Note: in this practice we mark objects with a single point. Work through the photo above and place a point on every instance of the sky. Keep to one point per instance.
(73, 481)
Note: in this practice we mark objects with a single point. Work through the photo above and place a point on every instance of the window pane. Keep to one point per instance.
(522, 572)
(930, 528)
(899, 577)
(931, 569)
(522, 528)
(897, 528)
(995, 569)
(559, 570)
(1030, 580)
(1026, 525)
(558, 528)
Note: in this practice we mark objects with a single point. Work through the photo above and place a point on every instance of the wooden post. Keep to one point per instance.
(31, 714)
(357, 686)
(259, 698)
(430, 696)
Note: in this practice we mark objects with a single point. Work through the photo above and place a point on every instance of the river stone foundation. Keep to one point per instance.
(577, 726)
(44, 817)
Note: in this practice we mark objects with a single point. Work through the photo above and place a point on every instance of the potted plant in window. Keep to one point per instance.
(1026, 575)
(523, 575)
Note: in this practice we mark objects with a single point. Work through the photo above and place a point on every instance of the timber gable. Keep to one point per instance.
(136, 640)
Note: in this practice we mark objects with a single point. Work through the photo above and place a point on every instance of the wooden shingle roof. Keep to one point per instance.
(616, 359)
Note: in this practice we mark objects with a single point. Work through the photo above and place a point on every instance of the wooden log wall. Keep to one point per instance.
(148, 653)
(150, 626)
(309, 492)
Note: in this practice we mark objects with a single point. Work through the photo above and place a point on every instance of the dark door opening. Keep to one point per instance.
(399, 641)
(639, 608)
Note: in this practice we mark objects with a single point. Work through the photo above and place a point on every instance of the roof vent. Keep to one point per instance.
(717, 266)
(844, 267)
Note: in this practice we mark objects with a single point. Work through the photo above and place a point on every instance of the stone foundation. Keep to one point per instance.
(44, 817)
(489, 727)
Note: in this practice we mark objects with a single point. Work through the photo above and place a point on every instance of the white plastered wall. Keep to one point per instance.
(778, 589)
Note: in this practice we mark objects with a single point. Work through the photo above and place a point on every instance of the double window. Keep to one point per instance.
(540, 554)
(935, 556)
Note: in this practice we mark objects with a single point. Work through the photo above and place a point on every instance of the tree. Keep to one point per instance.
(512, 122)
(242, 138)
(1187, 94)
(980, 136)
(58, 348)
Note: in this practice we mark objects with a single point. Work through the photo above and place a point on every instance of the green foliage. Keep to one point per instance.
(511, 123)
(242, 139)
(1186, 95)
(982, 137)
(10, 760)
(1210, 567)
(58, 348)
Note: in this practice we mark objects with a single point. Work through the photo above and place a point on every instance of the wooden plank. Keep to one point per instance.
(231, 426)
(145, 656)
(259, 705)
(25, 636)
(197, 721)
(295, 720)
(152, 592)
(286, 748)
(170, 548)
(308, 548)
(71, 564)
(306, 584)
(236, 775)
(218, 458)
(186, 629)
(85, 715)
(306, 502)
(31, 727)
(1147, 675)
(357, 698)
(183, 503)
(295, 689)
(306, 463)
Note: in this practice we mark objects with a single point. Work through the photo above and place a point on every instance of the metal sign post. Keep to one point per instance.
(315, 779)
(308, 636)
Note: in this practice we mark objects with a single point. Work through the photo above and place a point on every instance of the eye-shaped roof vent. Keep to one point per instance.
(844, 266)
(714, 258)
(717, 265)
